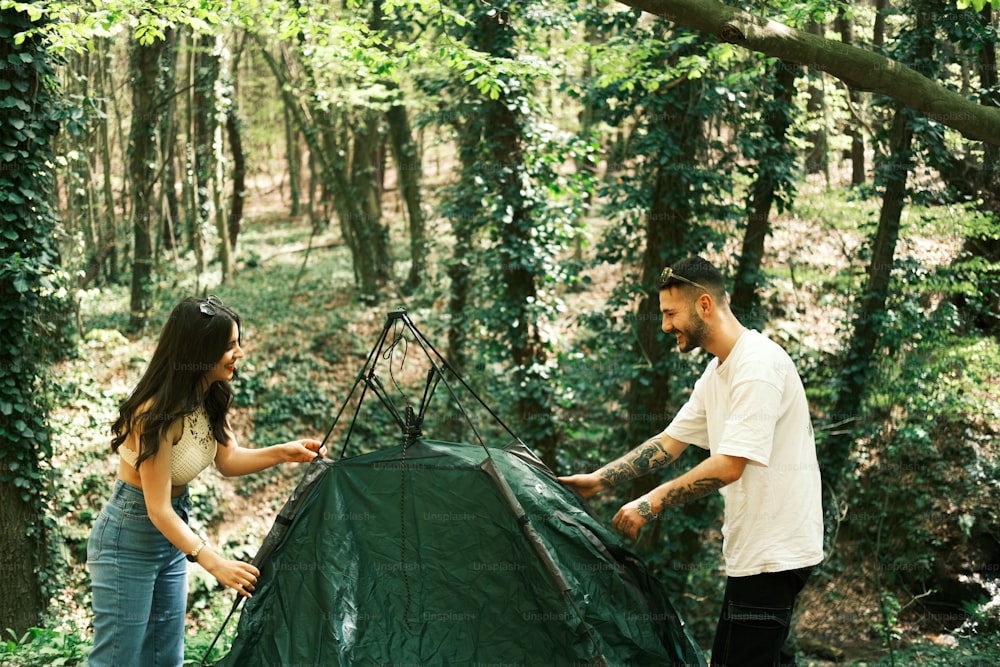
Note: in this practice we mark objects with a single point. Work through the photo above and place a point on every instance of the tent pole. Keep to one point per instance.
(489, 467)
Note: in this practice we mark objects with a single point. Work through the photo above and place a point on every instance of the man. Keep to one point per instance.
(749, 410)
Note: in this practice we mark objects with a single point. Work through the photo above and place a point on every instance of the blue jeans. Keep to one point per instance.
(139, 583)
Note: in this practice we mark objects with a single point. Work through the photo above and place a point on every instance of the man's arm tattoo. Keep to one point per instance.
(696, 489)
(649, 456)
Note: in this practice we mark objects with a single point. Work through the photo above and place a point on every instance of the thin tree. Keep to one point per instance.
(408, 166)
(775, 170)
(144, 65)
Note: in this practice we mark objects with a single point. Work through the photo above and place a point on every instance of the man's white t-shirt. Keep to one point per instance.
(754, 405)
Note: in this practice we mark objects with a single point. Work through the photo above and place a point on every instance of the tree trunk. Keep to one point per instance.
(409, 169)
(372, 253)
(194, 231)
(859, 359)
(350, 172)
(857, 67)
(853, 130)
(878, 30)
(293, 157)
(817, 158)
(775, 166)
(468, 133)
(206, 73)
(234, 130)
(234, 134)
(144, 64)
(168, 140)
(28, 280)
(458, 296)
(22, 603)
(985, 312)
(668, 238)
(499, 131)
(108, 224)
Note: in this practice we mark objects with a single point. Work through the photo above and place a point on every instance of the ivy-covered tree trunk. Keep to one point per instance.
(460, 208)
(499, 196)
(859, 358)
(28, 264)
(775, 167)
(144, 64)
(207, 142)
(519, 234)
(365, 187)
(669, 237)
(982, 248)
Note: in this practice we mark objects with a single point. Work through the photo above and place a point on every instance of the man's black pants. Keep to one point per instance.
(755, 619)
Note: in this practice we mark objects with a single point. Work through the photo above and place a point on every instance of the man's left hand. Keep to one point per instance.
(628, 520)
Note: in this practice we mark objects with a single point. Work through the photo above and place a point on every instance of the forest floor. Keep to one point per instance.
(305, 330)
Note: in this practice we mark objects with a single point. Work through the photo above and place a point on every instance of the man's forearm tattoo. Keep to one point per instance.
(696, 489)
(649, 456)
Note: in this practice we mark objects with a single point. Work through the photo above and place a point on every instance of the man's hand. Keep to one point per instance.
(587, 484)
(628, 520)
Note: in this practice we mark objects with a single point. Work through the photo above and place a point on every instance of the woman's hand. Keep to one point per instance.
(235, 574)
(587, 484)
(303, 451)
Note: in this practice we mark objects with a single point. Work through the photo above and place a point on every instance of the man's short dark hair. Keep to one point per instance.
(694, 272)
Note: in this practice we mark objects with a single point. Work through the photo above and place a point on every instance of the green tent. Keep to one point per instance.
(437, 553)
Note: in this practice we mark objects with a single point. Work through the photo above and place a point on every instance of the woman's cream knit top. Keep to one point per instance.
(194, 452)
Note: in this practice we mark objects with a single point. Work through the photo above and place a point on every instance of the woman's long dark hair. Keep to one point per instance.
(192, 342)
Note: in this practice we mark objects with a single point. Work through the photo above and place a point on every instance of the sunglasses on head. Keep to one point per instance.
(210, 305)
(669, 274)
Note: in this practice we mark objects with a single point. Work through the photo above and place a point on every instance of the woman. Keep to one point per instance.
(172, 426)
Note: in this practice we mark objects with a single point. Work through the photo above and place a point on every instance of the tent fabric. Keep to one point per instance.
(450, 554)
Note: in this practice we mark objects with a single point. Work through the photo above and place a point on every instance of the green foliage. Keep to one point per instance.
(649, 78)
(39, 647)
(978, 5)
(917, 447)
(73, 26)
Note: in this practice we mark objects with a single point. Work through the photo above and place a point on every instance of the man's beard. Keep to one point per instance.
(694, 337)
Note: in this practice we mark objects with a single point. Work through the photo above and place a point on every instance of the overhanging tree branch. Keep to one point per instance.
(855, 66)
